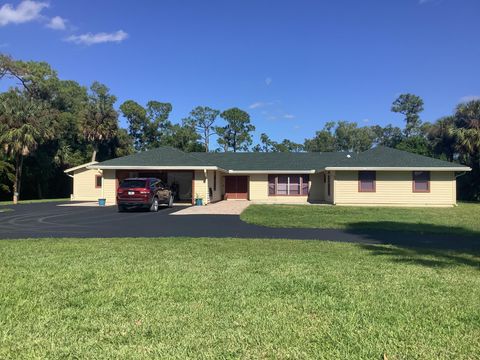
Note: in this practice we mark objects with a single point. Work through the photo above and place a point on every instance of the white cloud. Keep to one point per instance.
(289, 116)
(261, 104)
(26, 11)
(268, 81)
(99, 38)
(257, 105)
(469, 98)
(57, 23)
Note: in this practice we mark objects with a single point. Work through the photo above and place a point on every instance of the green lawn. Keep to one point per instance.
(232, 298)
(463, 219)
(34, 201)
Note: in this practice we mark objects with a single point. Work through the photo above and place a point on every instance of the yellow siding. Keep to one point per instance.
(110, 186)
(217, 193)
(395, 188)
(84, 185)
(316, 188)
(200, 186)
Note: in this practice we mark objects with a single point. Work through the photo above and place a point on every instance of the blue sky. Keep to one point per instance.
(293, 65)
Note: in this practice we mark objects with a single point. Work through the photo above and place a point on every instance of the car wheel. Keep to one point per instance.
(121, 208)
(154, 207)
(170, 201)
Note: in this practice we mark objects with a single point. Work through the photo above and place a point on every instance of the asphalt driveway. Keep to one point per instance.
(50, 220)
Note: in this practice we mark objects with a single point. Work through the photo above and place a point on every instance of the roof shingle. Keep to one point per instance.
(254, 161)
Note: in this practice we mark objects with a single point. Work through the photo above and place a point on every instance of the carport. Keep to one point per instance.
(181, 181)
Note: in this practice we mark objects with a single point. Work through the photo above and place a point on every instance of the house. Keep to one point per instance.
(380, 176)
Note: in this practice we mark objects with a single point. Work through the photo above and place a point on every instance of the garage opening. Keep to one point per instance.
(179, 181)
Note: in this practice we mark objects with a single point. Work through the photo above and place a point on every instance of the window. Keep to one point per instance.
(421, 181)
(131, 183)
(98, 181)
(366, 181)
(287, 185)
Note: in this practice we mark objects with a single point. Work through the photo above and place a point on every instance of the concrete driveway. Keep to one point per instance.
(51, 220)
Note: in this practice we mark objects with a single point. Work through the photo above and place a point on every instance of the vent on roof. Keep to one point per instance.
(349, 156)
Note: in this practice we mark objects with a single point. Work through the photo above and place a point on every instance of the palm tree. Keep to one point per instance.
(467, 131)
(23, 125)
(99, 120)
(7, 172)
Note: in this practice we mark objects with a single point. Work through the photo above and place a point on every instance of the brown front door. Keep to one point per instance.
(236, 187)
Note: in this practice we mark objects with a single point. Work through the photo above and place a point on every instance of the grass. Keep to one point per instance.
(230, 298)
(34, 201)
(463, 219)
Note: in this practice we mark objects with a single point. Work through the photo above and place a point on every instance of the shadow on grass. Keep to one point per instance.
(421, 244)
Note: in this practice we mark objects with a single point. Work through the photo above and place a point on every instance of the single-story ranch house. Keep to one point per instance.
(380, 176)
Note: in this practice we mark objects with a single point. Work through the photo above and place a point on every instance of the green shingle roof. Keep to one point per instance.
(257, 161)
(378, 157)
(381, 156)
(162, 156)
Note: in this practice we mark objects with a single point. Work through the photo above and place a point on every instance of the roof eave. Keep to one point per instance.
(402, 168)
(272, 171)
(86, 165)
(156, 167)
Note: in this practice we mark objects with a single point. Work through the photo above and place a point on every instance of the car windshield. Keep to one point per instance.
(134, 184)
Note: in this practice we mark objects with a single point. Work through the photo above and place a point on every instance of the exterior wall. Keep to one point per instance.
(84, 185)
(395, 188)
(316, 188)
(110, 186)
(258, 190)
(200, 186)
(217, 193)
(330, 177)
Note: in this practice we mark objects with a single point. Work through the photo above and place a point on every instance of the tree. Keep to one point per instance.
(99, 120)
(411, 106)
(38, 79)
(149, 127)
(159, 125)
(341, 136)
(202, 119)
(389, 135)
(237, 133)
(349, 137)
(324, 140)
(467, 143)
(266, 144)
(184, 137)
(288, 146)
(25, 122)
(7, 175)
(441, 138)
(136, 116)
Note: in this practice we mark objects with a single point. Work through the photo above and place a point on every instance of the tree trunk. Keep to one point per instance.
(206, 135)
(18, 178)
(94, 154)
(39, 190)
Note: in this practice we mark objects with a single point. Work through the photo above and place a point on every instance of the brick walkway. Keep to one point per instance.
(225, 207)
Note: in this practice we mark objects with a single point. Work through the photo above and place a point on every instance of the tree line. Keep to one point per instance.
(48, 124)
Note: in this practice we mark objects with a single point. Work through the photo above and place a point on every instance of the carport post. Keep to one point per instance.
(206, 186)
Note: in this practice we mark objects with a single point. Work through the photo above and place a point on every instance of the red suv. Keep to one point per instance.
(143, 192)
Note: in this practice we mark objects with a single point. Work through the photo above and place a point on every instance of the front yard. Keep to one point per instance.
(463, 219)
(235, 298)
